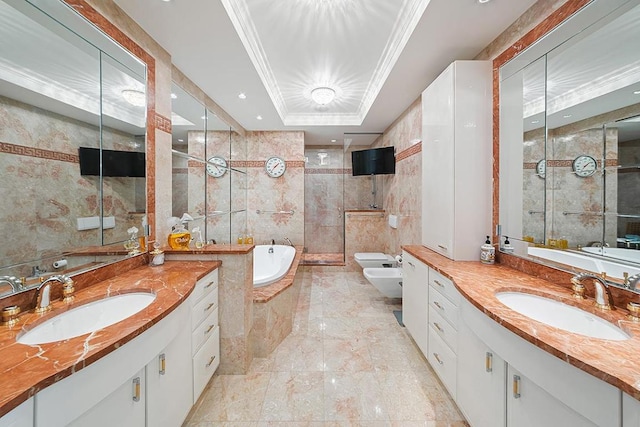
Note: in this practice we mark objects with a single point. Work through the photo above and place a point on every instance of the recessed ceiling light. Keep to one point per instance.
(637, 92)
(535, 121)
(203, 117)
(259, 117)
(134, 97)
(174, 96)
(180, 140)
(242, 95)
(479, 1)
(323, 95)
(566, 116)
(333, 140)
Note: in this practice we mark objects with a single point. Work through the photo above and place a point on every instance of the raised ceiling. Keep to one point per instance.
(378, 55)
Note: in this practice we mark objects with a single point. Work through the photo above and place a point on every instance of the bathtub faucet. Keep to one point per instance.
(286, 239)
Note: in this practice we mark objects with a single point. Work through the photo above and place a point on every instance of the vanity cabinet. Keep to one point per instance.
(415, 299)
(481, 389)
(205, 335)
(443, 329)
(630, 411)
(456, 160)
(21, 416)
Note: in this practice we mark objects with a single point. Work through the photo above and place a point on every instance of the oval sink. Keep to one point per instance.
(562, 316)
(87, 318)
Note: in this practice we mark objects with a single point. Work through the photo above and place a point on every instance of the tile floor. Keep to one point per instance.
(346, 363)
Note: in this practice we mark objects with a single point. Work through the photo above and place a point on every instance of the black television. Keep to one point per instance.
(375, 161)
(114, 163)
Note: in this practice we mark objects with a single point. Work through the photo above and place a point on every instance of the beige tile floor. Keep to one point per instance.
(346, 363)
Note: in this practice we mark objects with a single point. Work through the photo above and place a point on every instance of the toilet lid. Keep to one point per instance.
(370, 256)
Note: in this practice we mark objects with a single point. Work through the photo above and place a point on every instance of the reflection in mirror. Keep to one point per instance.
(591, 85)
(50, 106)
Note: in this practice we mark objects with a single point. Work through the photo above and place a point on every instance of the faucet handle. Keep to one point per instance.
(578, 290)
(67, 291)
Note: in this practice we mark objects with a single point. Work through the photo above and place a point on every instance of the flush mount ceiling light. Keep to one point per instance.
(134, 97)
(259, 117)
(242, 95)
(479, 1)
(323, 95)
(637, 92)
(174, 96)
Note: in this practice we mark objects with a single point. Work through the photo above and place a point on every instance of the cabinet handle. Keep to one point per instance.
(411, 264)
(209, 285)
(210, 361)
(207, 308)
(136, 389)
(162, 364)
(438, 358)
(437, 304)
(488, 362)
(209, 329)
(516, 386)
(438, 327)
(438, 283)
(443, 247)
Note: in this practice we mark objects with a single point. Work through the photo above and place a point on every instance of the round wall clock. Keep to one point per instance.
(275, 167)
(584, 166)
(541, 168)
(216, 166)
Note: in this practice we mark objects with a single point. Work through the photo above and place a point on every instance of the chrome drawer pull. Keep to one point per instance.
(209, 285)
(411, 264)
(209, 329)
(210, 361)
(136, 389)
(209, 307)
(162, 364)
(442, 247)
(438, 327)
(437, 304)
(488, 362)
(516, 387)
(438, 358)
(438, 283)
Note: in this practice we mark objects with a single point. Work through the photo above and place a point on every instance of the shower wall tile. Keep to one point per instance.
(364, 232)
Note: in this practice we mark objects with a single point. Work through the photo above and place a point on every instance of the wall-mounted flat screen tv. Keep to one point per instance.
(114, 163)
(375, 161)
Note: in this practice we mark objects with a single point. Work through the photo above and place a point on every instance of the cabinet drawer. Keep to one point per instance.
(444, 285)
(443, 361)
(444, 329)
(443, 306)
(203, 308)
(204, 286)
(204, 331)
(205, 363)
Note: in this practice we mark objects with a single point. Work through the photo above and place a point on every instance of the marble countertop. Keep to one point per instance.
(26, 369)
(615, 362)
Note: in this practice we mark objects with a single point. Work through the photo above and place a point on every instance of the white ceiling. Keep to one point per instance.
(365, 49)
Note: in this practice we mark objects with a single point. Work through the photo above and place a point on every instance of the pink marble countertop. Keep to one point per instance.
(212, 249)
(26, 369)
(615, 362)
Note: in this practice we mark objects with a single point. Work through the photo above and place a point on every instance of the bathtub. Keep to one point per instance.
(271, 267)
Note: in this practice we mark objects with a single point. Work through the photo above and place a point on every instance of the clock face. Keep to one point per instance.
(541, 168)
(275, 167)
(216, 166)
(584, 166)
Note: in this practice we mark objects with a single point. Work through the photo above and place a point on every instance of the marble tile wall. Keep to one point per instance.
(38, 165)
(364, 232)
(275, 194)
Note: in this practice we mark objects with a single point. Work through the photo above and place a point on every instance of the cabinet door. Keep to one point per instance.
(169, 382)
(630, 411)
(438, 164)
(528, 405)
(481, 381)
(415, 299)
(21, 416)
(125, 407)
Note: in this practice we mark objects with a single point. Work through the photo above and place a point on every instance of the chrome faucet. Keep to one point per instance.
(43, 300)
(601, 287)
(14, 282)
(273, 242)
(631, 282)
(286, 239)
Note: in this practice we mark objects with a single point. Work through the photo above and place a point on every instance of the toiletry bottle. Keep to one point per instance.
(179, 237)
(199, 241)
(157, 255)
(508, 248)
(487, 252)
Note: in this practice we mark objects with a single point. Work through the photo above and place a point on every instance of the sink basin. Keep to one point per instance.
(87, 318)
(562, 316)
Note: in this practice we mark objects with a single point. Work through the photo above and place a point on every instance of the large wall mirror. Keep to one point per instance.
(570, 144)
(72, 142)
(209, 171)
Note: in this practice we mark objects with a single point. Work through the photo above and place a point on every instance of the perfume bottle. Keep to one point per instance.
(179, 237)
(199, 241)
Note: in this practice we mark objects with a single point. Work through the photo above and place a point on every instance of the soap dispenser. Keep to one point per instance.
(508, 247)
(487, 252)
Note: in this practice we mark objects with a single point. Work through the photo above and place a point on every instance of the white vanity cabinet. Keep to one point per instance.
(456, 160)
(630, 411)
(480, 391)
(205, 335)
(443, 329)
(415, 299)
(20, 416)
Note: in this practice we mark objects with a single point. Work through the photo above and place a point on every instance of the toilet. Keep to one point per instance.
(374, 260)
(387, 280)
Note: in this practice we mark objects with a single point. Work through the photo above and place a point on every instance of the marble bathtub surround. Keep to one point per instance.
(28, 369)
(347, 362)
(478, 283)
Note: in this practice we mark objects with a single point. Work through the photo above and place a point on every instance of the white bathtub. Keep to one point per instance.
(271, 267)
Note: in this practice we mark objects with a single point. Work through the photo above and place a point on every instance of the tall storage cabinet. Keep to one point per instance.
(456, 160)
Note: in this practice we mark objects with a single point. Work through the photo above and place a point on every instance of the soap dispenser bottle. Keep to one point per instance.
(487, 252)
(508, 248)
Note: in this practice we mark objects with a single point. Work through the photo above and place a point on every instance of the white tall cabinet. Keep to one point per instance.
(456, 160)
